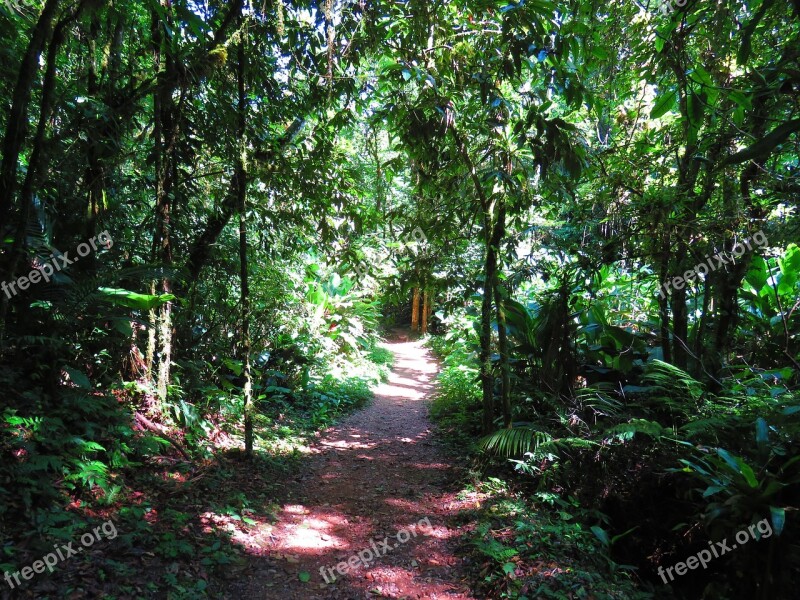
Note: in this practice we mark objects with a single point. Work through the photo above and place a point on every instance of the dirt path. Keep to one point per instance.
(375, 480)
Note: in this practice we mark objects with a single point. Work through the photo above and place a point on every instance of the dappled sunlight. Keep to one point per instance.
(296, 510)
(404, 381)
(415, 365)
(437, 466)
(311, 534)
(375, 476)
(249, 537)
(347, 445)
(398, 392)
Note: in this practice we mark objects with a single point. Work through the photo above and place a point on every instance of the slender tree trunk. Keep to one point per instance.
(164, 134)
(486, 376)
(37, 158)
(94, 169)
(241, 193)
(425, 309)
(431, 299)
(700, 329)
(663, 300)
(502, 334)
(415, 310)
(17, 122)
(730, 279)
(680, 328)
(203, 244)
(490, 266)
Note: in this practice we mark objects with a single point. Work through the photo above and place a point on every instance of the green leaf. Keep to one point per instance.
(711, 490)
(618, 537)
(740, 99)
(234, 365)
(762, 432)
(757, 274)
(778, 519)
(748, 474)
(664, 104)
(601, 535)
(509, 568)
(701, 76)
(134, 300)
(695, 104)
(78, 378)
(304, 576)
(790, 266)
(123, 326)
(726, 456)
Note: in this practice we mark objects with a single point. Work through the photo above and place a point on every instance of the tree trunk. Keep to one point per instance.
(37, 158)
(203, 245)
(164, 134)
(490, 266)
(663, 301)
(94, 169)
(415, 310)
(17, 122)
(240, 183)
(680, 329)
(35, 161)
(486, 377)
(502, 334)
(431, 298)
(700, 328)
(425, 309)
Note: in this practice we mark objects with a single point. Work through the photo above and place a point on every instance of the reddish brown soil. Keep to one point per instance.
(372, 478)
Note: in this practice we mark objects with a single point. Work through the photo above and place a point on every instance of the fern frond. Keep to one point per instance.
(671, 379)
(711, 425)
(525, 440)
(626, 431)
(514, 442)
(600, 399)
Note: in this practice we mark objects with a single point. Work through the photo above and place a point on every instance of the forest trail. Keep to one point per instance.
(375, 479)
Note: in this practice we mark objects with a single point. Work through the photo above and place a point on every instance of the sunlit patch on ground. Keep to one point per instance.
(373, 476)
(394, 391)
(347, 445)
(311, 534)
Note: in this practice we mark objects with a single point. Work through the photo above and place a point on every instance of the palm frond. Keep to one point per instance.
(521, 441)
(514, 442)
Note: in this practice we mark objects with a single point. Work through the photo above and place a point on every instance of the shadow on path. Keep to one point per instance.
(374, 480)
